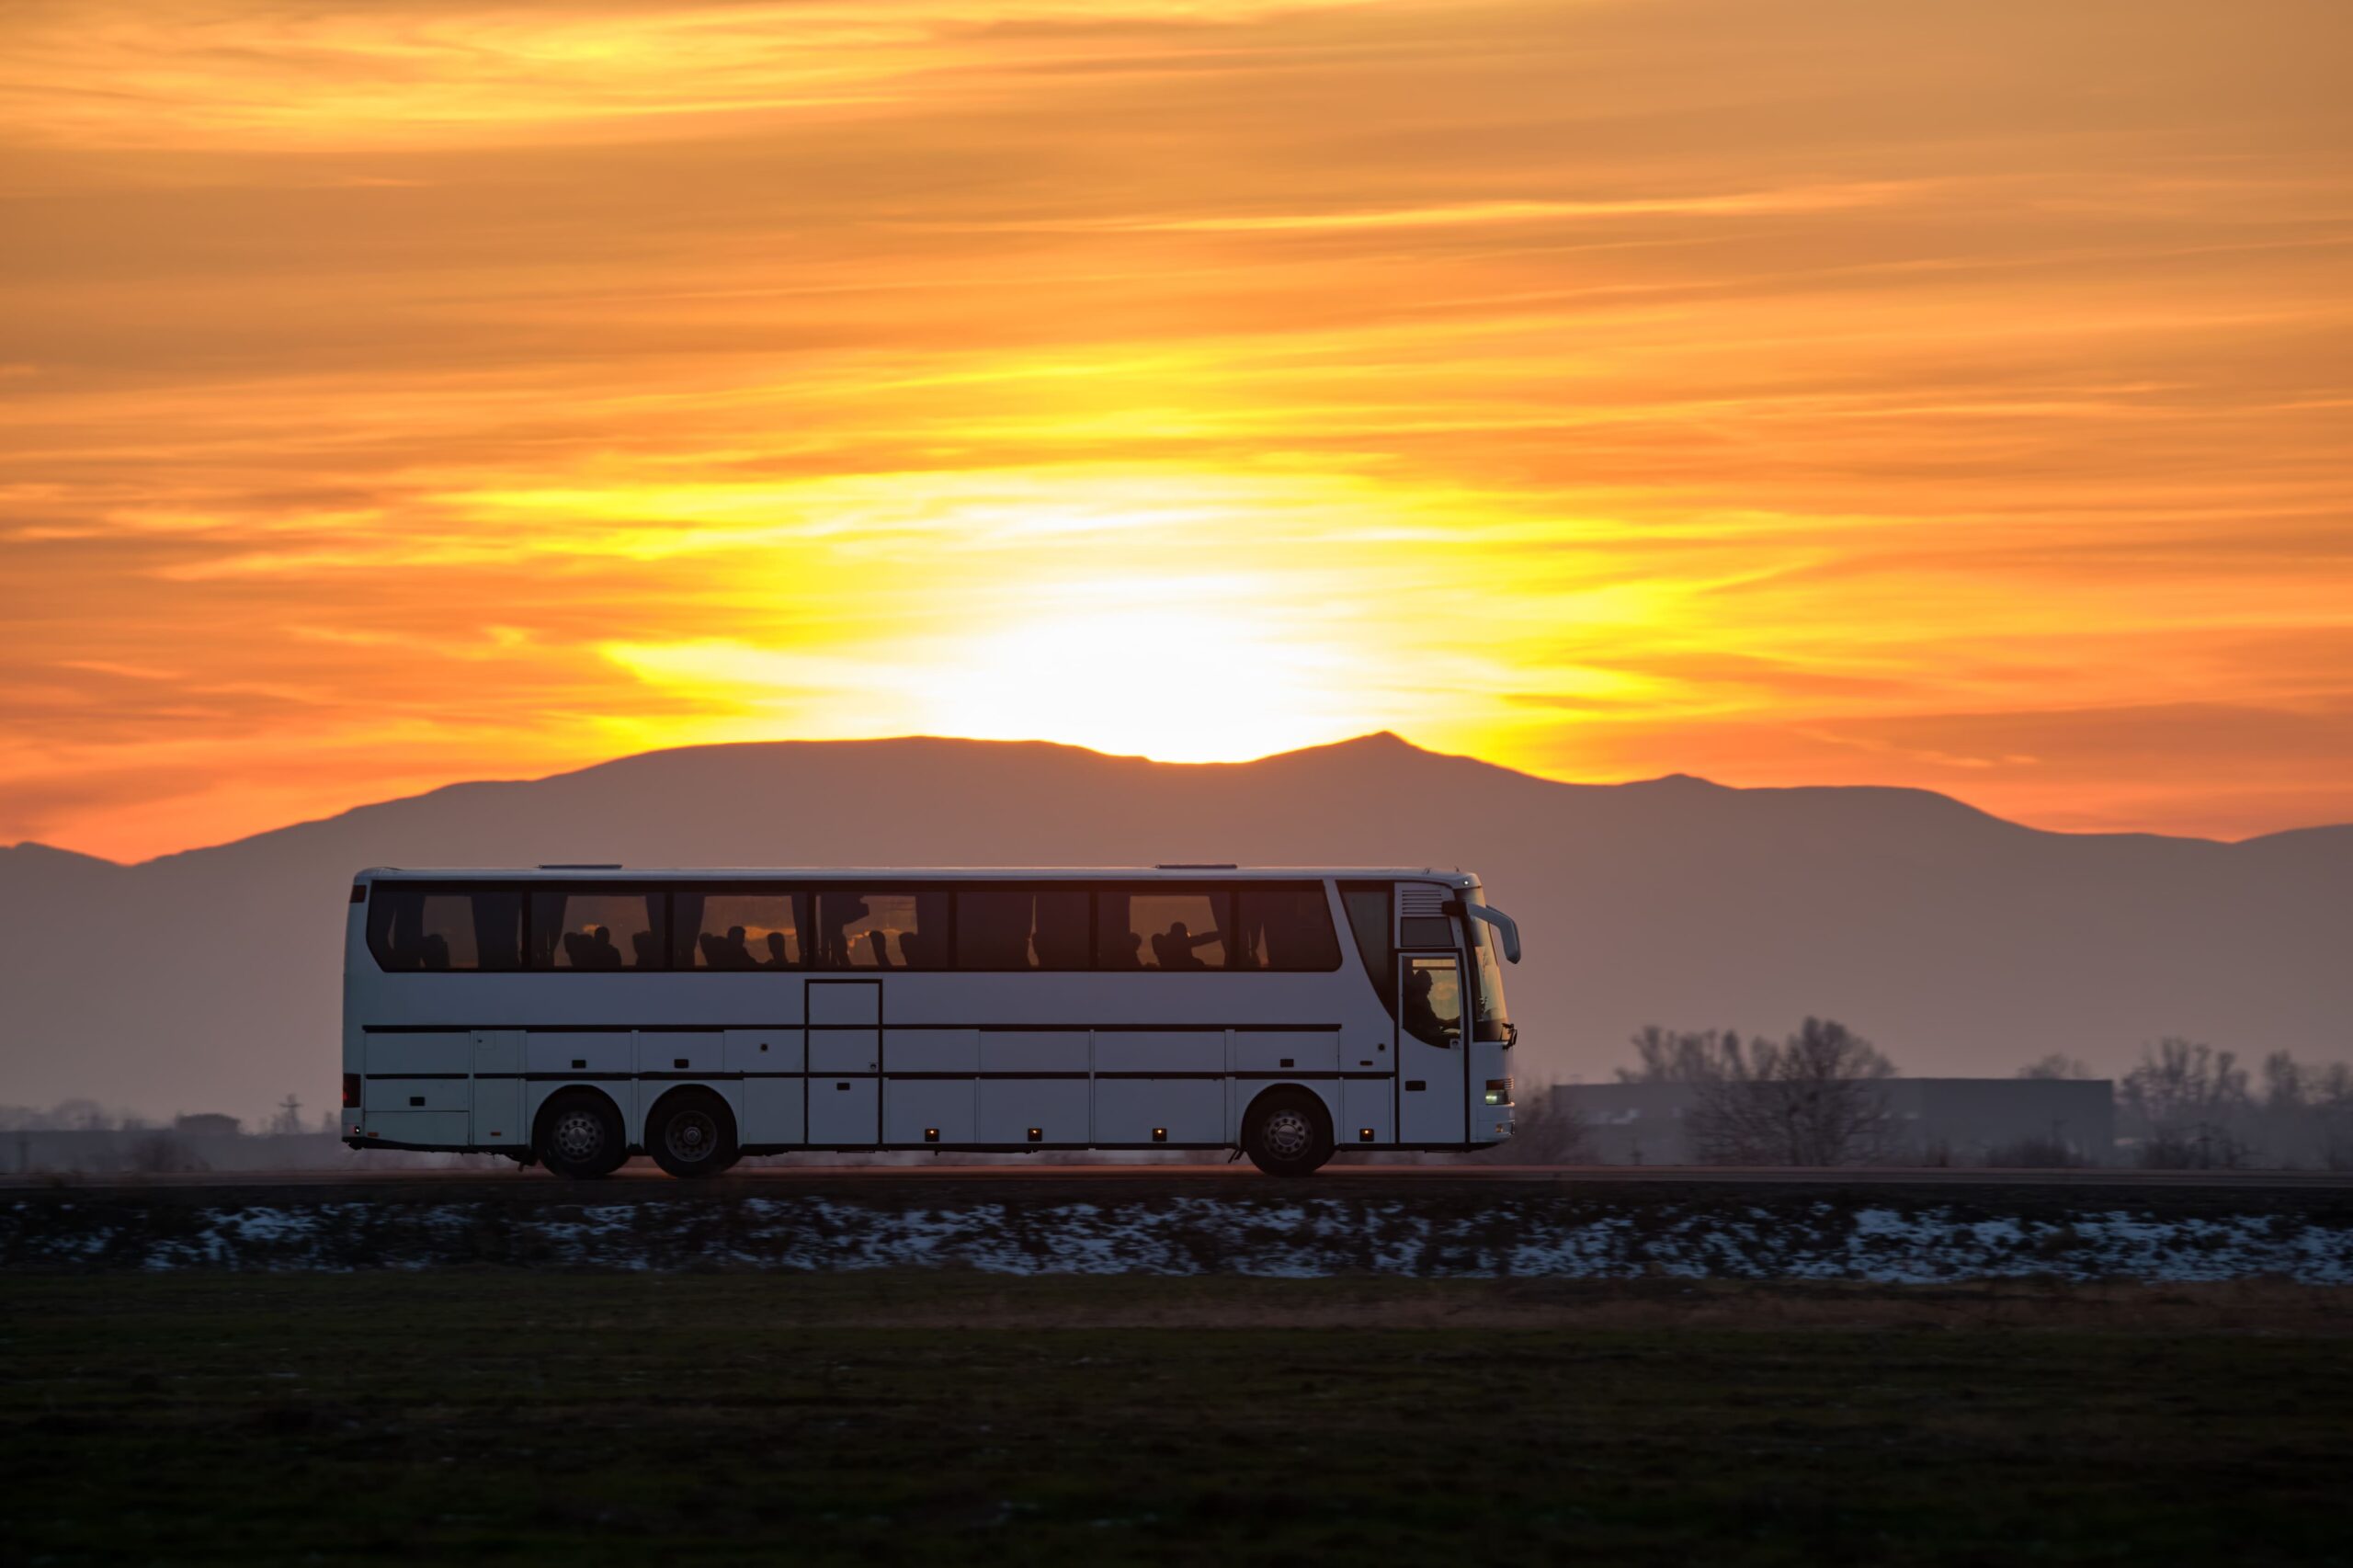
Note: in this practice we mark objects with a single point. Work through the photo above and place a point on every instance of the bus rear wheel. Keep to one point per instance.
(580, 1136)
(692, 1134)
(1288, 1133)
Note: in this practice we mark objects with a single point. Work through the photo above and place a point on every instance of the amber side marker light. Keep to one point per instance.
(1036, 1135)
(1364, 1134)
(1160, 1135)
(931, 1134)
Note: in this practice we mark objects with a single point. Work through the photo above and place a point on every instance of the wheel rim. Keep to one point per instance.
(1287, 1136)
(691, 1136)
(578, 1134)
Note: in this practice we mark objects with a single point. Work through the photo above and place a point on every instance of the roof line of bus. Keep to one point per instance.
(1173, 873)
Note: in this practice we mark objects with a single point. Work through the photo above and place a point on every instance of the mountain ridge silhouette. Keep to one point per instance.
(1959, 941)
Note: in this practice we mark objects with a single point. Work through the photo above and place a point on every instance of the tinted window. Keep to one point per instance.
(1368, 907)
(596, 928)
(881, 930)
(740, 929)
(1282, 927)
(1018, 928)
(1426, 931)
(428, 928)
(1434, 1000)
(1164, 929)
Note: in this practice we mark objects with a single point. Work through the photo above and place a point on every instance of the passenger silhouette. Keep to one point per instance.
(643, 942)
(834, 914)
(778, 958)
(1174, 948)
(575, 950)
(434, 952)
(1421, 1018)
(880, 941)
(602, 954)
(733, 952)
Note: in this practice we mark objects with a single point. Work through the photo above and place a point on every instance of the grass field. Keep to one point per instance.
(944, 1416)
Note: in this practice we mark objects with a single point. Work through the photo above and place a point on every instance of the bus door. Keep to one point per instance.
(845, 1059)
(1432, 1093)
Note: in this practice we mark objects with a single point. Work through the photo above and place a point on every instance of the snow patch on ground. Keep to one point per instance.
(1282, 1238)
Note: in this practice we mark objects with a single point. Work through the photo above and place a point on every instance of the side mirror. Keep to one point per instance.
(1506, 928)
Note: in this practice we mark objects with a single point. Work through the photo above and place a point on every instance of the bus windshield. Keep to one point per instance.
(1494, 1020)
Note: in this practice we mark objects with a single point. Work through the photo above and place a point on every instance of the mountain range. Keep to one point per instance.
(1961, 944)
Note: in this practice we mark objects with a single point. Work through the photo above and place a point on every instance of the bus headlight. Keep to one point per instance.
(1499, 1091)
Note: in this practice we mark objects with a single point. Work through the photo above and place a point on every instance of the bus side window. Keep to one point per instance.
(1062, 939)
(1368, 907)
(1020, 928)
(1283, 928)
(739, 930)
(433, 928)
(596, 928)
(881, 930)
(1165, 930)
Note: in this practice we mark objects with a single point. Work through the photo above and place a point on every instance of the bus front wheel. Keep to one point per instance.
(692, 1133)
(580, 1135)
(1288, 1133)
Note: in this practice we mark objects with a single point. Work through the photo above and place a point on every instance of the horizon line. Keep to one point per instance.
(1368, 737)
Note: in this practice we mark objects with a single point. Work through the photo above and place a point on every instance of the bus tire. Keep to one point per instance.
(691, 1134)
(579, 1135)
(1286, 1133)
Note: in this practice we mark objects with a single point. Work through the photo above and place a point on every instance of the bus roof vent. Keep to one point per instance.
(1196, 865)
(580, 865)
(1420, 899)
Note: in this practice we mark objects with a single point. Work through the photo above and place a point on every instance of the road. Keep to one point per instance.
(640, 1174)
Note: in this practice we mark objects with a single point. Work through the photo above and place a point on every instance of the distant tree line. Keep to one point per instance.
(2190, 1106)
(1813, 1098)
(89, 1115)
(2187, 1105)
(1816, 1098)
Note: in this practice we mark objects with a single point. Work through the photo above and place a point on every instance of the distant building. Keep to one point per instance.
(1941, 1121)
(206, 1124)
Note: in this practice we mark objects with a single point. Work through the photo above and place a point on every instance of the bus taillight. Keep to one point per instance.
(351, 1091)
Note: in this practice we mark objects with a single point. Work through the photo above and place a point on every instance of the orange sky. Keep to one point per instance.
(1816, 392)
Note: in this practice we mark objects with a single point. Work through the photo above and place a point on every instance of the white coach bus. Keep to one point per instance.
(576, 1015)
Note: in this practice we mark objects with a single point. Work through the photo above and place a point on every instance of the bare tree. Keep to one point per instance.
(1813, 1099)
(1664, 1056)
(2306, 1114)
(2190, 1102)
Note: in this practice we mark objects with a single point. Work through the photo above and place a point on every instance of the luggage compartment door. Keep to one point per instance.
(496, 1120)
(844, 1062)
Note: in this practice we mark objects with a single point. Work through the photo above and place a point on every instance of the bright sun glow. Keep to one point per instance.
(1197, 683)
(1194, 670)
